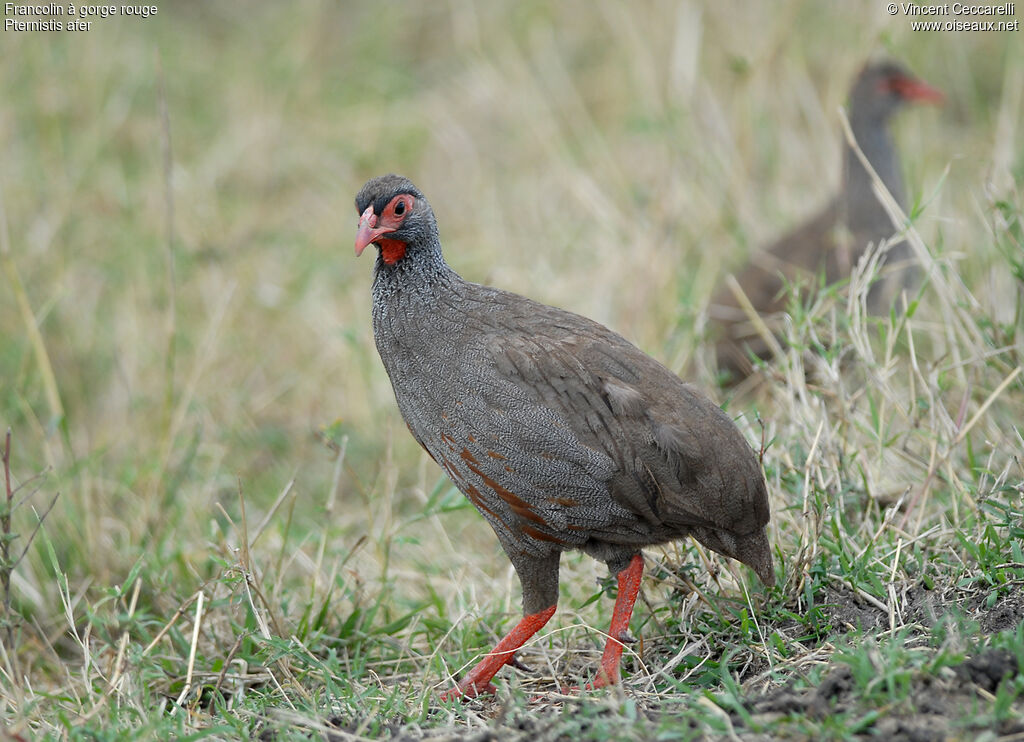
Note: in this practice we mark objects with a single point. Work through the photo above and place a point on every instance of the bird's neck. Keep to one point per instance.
(860, 205)
(417, 312)
(415, 281)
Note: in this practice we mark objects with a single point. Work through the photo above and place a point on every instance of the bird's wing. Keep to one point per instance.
(677, 459)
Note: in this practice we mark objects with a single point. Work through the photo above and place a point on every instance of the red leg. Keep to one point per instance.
(629, 587)
(479, 678)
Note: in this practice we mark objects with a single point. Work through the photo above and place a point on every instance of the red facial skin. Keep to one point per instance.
(373, 228)
(912, 89)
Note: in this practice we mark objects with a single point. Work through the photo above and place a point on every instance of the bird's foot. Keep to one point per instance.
(469, 690)
(602, 681)
(577, 690)
(478, 681)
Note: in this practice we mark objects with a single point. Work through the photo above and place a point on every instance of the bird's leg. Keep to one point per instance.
(629, 587)
(479, 678)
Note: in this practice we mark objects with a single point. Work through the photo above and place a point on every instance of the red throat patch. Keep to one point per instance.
(391, 250)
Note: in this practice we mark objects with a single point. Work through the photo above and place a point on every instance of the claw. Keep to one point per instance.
(514, 662)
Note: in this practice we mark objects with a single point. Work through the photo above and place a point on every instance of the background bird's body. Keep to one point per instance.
(562, 434)
(831, 242)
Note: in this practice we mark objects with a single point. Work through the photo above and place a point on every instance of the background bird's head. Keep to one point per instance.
(396, 217)
(882, 88)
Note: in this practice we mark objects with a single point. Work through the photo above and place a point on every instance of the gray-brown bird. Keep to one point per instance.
(833, 240)
(561, 433)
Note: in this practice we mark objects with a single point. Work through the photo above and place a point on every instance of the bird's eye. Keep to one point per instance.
(400, 208)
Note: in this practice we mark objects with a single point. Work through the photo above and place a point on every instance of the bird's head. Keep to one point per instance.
(394, 216)
(884, 87)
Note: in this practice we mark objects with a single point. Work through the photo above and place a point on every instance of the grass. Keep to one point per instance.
(215, 523)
